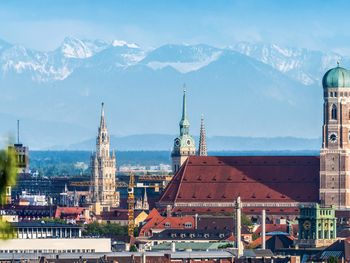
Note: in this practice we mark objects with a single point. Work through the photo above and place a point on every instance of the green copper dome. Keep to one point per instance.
(336, 78)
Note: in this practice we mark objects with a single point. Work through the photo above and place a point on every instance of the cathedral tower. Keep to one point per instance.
(184, 144)
(202, 149)
(335, 169)
(103, 170)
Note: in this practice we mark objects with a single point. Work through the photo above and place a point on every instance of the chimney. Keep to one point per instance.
(263, 223)
(168, 211)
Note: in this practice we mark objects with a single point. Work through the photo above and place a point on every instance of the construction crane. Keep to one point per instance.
(131, 203)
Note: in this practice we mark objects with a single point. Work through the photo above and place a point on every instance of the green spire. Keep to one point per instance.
(184, 123)
(184, 115)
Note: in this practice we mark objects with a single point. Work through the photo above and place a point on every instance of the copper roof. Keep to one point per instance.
(253, 178)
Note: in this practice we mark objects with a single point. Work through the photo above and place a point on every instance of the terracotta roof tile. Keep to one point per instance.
(254, 178)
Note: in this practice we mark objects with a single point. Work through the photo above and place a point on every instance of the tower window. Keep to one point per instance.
(334, 112)
(331, 94)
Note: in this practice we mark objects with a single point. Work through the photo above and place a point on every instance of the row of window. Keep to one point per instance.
(187, 225)
(47, 250)
(335, 94)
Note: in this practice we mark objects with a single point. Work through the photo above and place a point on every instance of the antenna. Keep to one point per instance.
(17, 131)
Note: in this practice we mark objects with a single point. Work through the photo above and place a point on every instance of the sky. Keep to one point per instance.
(42, 25)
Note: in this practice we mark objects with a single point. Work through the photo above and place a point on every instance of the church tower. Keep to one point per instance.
(334, 157)
(103, 170)
(184, 144)
(202, 149)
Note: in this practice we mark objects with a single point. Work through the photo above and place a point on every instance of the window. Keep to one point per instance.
(188, 225)
(167, 224)
(334, 112)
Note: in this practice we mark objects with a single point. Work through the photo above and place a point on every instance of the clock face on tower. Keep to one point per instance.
(307, 225)
(188, 142)
(177, 142)
(333, 137)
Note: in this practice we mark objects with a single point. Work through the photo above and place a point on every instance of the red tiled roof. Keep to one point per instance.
(65, 211)
(118, 214)
(283, 240)
(253, 178)
(156, 221)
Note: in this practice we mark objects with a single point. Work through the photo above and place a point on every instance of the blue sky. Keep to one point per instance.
(312, 24)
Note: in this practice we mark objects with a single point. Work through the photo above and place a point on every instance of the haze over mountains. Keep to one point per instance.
(246, 90)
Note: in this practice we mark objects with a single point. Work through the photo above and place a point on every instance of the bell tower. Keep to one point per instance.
(335, 151)
(184, 144)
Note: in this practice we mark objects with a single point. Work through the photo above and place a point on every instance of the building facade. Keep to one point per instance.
(103, 170)
(317, 226)
(335, 151)
(184, 144)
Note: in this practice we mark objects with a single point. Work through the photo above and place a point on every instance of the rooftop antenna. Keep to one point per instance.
(17, 131)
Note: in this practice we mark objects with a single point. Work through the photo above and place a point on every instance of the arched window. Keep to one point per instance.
(334, 112)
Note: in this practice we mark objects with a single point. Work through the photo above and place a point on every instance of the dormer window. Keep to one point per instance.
(167, 225)
(188, 225)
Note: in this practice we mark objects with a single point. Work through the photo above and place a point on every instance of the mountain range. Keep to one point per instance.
(244, 90)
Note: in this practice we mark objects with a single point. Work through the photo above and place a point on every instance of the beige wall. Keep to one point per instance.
(50, 245)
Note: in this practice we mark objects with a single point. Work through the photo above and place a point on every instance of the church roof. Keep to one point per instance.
(337, 77)
(253, 178)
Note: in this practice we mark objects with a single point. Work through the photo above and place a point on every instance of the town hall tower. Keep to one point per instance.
(103, 170)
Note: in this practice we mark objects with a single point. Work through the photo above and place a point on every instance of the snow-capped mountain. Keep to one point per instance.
(76, 48)
(306, 66)
(238, 88)
(183, 58)
(303, 65)
(72, 54)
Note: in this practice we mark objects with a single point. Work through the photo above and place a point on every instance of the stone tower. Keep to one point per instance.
(202, 149)
(334, 163)
(103, 170)
(184, 144)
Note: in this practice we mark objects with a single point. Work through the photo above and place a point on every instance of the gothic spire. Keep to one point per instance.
(145, 205)
(202, 149)
(102, 122)
(184, 123)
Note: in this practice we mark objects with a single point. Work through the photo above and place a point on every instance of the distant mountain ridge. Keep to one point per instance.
(300, 64)
(248, 89)
(164, 142)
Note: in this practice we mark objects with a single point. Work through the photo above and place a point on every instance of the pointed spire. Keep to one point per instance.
(145, 205)
(184, 113)
(102, 122)
(184, 123)
(202, 149)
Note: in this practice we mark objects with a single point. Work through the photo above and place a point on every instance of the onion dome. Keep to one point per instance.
(337, 77)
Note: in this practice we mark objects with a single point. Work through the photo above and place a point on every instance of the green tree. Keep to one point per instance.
(103, 229)
(8, 176)
(332, 259)
(133, 248)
